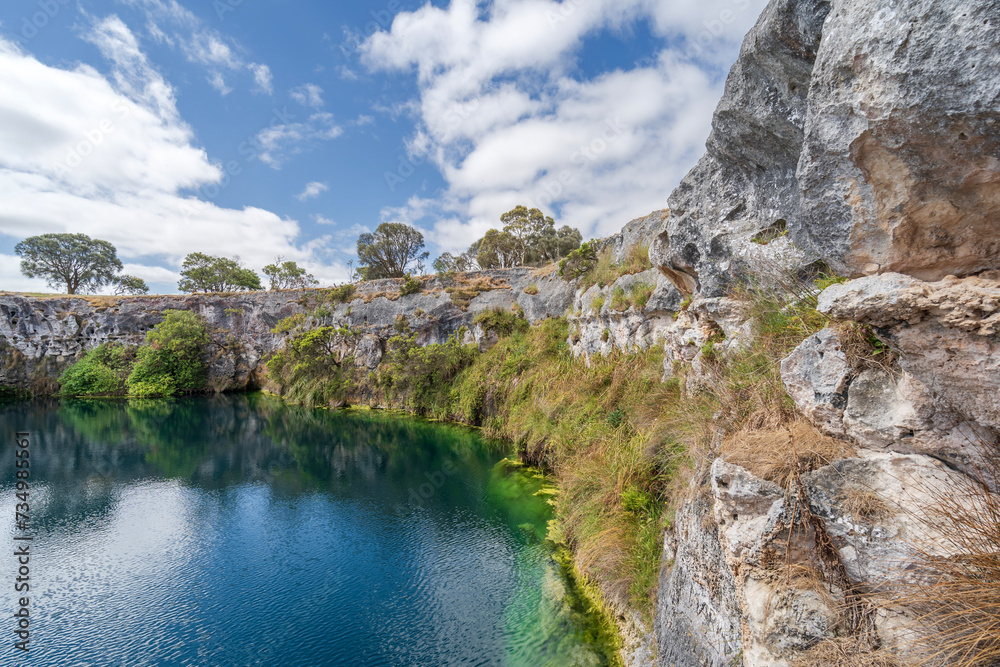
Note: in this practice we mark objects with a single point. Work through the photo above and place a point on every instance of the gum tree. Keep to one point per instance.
(205, 273)
(77, 261)
(389, 250)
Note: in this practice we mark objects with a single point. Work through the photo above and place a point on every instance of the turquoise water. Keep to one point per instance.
(244, 531)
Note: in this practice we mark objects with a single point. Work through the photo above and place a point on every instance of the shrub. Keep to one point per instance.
(172, 361)
(410, 286)
(640, 293)
(309, 369)
(420, 377)
(531, 290)
(101, 372)
(501, 322)
(401, 324)
(341, 294)
(578, 262)
(597, 303)
(289, 323)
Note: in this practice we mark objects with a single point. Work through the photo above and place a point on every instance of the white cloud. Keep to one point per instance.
(313, 190)
(12, 280)
(208, 48)
(262, 78)
(505, 116)
(111, 158)
(308, 95)
(323, 220)
(218, 82)
(170, 23)
(278, 142)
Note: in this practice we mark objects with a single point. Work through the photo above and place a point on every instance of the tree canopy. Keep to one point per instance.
(528, 238)
(288, 275)
(499, 250)
(389, 250)
(205, 273)
(130, 285)
(77, 261)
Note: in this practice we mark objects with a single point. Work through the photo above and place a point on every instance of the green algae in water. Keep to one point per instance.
(552, 609)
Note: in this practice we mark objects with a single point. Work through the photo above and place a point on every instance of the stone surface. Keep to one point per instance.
(816, 376)
(698, 620)
(760, 534)
(601, 331)
(636, 233)
(899, 168)
(874, 508)
(745, 185)
(945, 398)
(40, 337)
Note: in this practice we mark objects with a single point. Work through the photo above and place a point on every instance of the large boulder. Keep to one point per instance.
(899, 169)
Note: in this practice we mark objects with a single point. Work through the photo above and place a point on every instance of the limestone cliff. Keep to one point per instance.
(859, 136)
(40, 337)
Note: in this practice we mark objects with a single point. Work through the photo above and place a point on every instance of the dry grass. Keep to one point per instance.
(780, 455)
(545, 271)
(863, 504)
(864, 350)
(845, 652)
(954, 602)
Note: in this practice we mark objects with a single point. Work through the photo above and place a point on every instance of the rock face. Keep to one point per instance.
(39, 338)
(943, 399)
(745, 188)
(868, 130)
(863, 137)
(899, 169)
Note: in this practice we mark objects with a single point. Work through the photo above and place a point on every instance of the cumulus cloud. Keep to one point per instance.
(262, 78)
(110, 157)
(312, 190)
(279, 142)
(507, 118)
(308, 95)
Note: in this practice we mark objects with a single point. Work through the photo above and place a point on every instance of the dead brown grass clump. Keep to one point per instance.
(863, 349)
(863, 504)
(954, 601)
(780, 455)
(846, 652)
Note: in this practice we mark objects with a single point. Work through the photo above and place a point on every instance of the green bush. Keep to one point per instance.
(578, 262)
(289, 323)
(410, 285)
(597, 303)
(101, 372)
(640, 293)
(341, 294)
(501, 322)
(400, 324)
(421, 378)
(171, 363)
(308, 369)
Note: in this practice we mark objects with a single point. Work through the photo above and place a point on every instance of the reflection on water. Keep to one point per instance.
(242, 530)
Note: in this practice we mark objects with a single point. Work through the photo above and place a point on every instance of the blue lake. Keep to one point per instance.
(239, 530)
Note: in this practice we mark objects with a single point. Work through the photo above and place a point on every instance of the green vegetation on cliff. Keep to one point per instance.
(615, 437)
(169, 364)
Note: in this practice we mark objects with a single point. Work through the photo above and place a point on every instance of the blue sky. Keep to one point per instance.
(262, 128)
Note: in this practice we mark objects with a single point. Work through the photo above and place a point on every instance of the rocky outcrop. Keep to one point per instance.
(941, 399)
(899, 168)
(732, 211)
(862, 138)
(40, 337)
